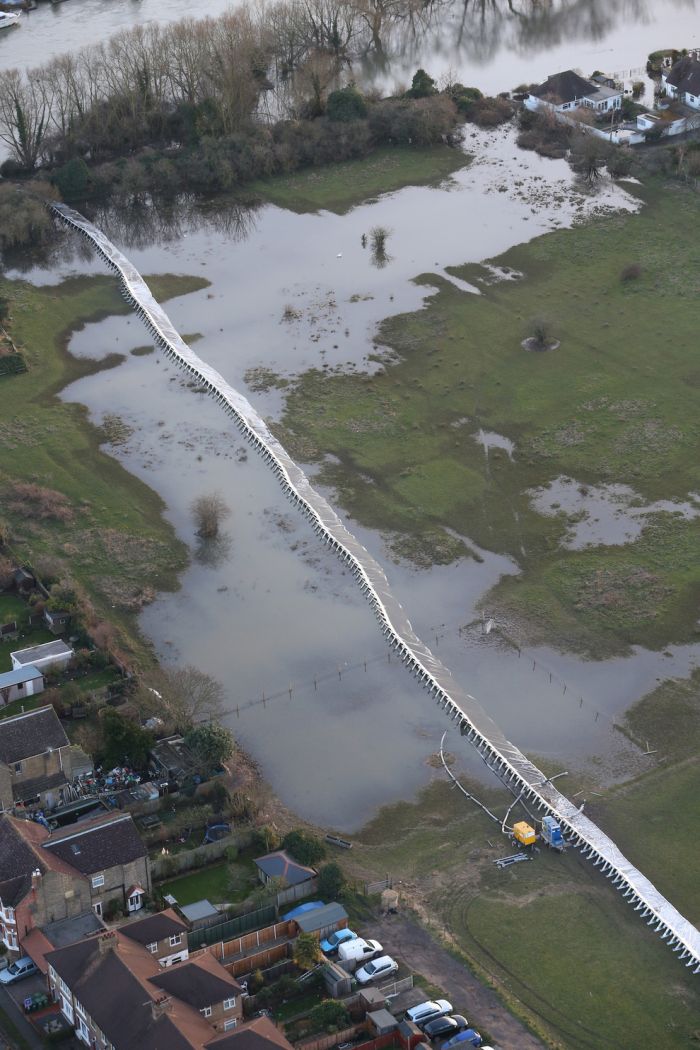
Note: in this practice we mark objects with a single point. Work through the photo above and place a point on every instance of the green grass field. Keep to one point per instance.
(338, 187)
(218, 883)
(617, 402)
(113, 539)
(552, 935)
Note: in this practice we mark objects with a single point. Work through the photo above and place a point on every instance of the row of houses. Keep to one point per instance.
(566, 93)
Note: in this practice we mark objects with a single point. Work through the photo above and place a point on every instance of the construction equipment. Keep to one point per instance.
(515, 858)
(551, 834)
(524, 833)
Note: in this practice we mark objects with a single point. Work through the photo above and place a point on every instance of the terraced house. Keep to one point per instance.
(119, 998)
(45, 878)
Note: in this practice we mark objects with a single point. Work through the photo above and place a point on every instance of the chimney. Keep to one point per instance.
(161, 1005)
(107, 942)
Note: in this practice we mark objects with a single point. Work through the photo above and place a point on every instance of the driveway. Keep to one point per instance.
(410, 944)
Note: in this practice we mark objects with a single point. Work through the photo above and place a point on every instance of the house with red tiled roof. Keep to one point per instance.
(118, 997)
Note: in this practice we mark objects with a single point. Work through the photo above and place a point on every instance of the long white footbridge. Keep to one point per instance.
(503, 758)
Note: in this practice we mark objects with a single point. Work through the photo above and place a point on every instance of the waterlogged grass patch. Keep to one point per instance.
(56, 450)
(616, 402)
(339, 187)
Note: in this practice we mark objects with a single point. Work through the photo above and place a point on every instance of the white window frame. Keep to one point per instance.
(229, 1004)
(97, 908)
(67, 1007)
(175, 940)
(97, 881)
(152, 948)
(230, 1023)
(206, 1011)
(82, 1031)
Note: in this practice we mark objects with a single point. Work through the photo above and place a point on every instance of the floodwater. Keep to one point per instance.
(337, 726)
(495, 45)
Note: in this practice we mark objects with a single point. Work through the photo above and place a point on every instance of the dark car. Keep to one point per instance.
(442, 1027)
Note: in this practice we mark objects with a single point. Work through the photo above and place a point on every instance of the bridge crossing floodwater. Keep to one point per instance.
(518, 773)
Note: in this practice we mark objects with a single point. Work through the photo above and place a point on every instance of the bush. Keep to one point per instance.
(125, 742)
(331, 881)
(72, 179)
(631, 272)
(305, 848)
(346, 105)
(464, 97)
(329, 1016)
(422, 86)
(490, 112)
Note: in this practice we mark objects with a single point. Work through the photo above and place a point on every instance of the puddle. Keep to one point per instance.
(609, 515)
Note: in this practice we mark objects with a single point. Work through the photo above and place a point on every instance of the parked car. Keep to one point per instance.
(359, 950)
(376, 969)
(18, 970)
(442, 1027)
(428, 1011)
(469, 1037)
(332, 943)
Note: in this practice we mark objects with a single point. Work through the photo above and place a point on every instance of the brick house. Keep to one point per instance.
(109, 852)
(35, 760)
(45, 878)
(114, 992)
(163, 935)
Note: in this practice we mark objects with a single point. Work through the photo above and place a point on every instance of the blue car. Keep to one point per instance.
(469, 1037)
(332, 943)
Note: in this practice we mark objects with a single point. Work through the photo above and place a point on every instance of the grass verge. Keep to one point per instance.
(339, 187)
(110, 535)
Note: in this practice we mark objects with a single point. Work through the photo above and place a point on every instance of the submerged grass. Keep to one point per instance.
(339, 187)
(617, 402)
(111, 535)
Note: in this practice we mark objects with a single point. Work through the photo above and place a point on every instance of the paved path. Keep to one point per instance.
(414, 946)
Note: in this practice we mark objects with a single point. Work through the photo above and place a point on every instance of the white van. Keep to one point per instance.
(358, 950)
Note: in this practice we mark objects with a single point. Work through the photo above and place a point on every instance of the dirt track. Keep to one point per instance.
(412, 945)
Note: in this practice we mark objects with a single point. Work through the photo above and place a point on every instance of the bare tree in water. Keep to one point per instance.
(209, 511)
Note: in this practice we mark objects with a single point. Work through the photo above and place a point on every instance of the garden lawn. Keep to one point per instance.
(617, 402)
(339, 187)
(113, 538)
(210, 883)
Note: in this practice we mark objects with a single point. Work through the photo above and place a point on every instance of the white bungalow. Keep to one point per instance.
(682, 81)
(567, 91)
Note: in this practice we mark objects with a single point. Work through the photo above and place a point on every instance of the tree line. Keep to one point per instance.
(189, 81)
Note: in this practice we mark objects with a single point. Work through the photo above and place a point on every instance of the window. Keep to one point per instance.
(97, 880)
(152, 948)
(18, 767)
(206, 1012)
(97, 908)
(175, 940)
(83, 1032)
(10, 915)
(231, 1023)
(229, 1004)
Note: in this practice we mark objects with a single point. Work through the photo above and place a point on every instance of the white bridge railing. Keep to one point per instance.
(503, 757)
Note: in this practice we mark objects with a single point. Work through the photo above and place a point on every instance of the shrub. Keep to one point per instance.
(346, 105)
(631, 272)
(331, 881)
(422, 85)
(329, 1016)
(490, 112)
(305, 848)
(72, 179)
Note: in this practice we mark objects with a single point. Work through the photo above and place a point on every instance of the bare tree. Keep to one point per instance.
(181, 696)
(209, 512)
(24, 115)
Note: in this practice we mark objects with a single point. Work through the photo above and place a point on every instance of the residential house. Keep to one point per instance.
(47, 878)
(109, 852)
(118, 998)
(39, 942)
(568, 91)
(49, 656)
(163, 935)
(280, 865)
(35, 760)
(682, 81)
(17, 685)
(57, 622)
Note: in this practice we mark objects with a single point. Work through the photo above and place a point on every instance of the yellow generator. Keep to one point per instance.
(524, 834)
